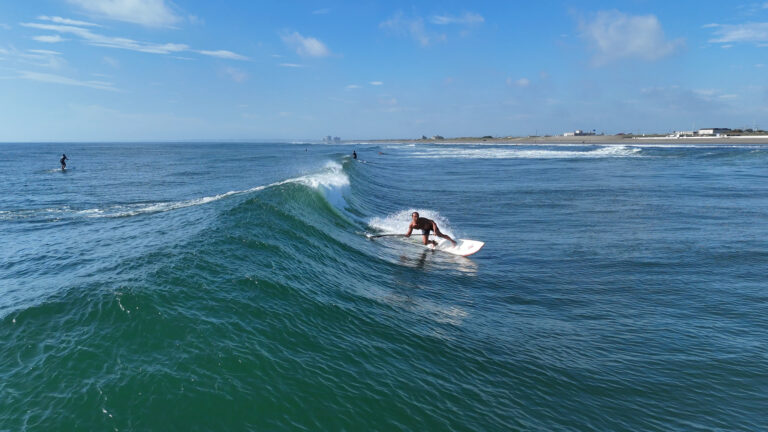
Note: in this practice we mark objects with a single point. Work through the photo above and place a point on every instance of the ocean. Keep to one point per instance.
(231, 286)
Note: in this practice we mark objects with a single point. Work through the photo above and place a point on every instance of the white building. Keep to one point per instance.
(713, 131)
(578, 132)
(682, 134)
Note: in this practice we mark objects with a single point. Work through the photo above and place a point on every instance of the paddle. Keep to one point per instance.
(386, 235)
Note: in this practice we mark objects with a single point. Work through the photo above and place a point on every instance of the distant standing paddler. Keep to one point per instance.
(354, 154)
(63, 160)
(426, 225)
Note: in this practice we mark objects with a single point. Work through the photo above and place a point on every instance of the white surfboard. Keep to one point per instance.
(464, 247)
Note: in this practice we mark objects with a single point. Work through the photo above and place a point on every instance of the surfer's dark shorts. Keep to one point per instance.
(425, 232)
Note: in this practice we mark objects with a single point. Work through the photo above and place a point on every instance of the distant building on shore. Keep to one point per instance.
(331, 140)
(713, 131)
(682, 134)
(579, 132)
(706, 132)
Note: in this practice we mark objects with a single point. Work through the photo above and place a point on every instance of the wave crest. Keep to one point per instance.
(331, 180)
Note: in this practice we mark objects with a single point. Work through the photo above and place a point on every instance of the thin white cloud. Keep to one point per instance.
(352, 87)
(400, 25)
(376, 83)
(237, 75)
(58, 79)
(36, 57)
(66, 21)
(613, 36)
(388, 101)
(306, 46)
(195, 20)
(150, 13)
(291, 65)
(739, 33)
(521, 82)
(321, 11)
(114, 63)
(109, 41)
(678, 98)
(467, 18)
(49, 38)
(44, 52)
(129, 44)
(5, 26)
(224, 54)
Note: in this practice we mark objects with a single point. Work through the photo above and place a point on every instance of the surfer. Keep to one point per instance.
(63, 163)
(354, 154)
(426, 225)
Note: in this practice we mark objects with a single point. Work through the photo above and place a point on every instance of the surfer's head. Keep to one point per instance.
(415, 215)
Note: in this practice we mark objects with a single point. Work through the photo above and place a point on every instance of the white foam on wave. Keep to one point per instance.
(518, 153)
(332, 176)
(397, 223)
(331, 181)
(157, 207)
(48, 213)
(700, 146)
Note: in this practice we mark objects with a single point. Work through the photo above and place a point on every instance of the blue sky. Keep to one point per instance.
(125, 70)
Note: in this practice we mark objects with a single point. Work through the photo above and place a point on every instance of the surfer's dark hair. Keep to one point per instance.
(415, 213)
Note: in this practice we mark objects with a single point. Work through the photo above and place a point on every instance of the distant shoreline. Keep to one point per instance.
(587, 140)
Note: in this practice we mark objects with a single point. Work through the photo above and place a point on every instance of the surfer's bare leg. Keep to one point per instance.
(427, 240)
(441, 235)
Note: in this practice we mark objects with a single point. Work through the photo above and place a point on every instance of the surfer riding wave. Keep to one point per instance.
(426, 225)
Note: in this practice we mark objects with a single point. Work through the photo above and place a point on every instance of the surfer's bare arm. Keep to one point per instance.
(410, 230)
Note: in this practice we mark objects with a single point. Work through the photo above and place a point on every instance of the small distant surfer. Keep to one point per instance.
(426, 225)
(63, 160)
(354, 154)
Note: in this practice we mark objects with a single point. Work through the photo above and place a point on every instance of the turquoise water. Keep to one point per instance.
(220, 286)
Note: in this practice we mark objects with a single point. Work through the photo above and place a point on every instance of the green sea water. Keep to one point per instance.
(221, 286)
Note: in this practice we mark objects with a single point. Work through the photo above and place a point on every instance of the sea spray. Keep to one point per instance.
(398, 222)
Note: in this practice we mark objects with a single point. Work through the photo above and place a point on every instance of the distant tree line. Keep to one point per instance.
(747, 132)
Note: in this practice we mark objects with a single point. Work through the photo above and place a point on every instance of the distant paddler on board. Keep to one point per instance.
(426, 225)
(63, 161)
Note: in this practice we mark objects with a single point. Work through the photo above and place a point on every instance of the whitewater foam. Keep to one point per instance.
(396, 223)
(516, 153)
(331, 181)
